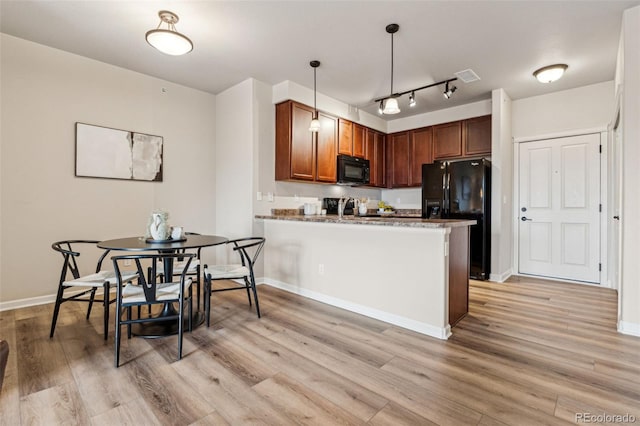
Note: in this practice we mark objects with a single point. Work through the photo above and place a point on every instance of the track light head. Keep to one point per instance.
(412, 99)
(448, 91)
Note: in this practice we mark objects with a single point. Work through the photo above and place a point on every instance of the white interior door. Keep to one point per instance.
(559, 226)
(615, 188)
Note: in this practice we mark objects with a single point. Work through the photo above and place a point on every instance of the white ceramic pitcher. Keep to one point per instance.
(159, 228)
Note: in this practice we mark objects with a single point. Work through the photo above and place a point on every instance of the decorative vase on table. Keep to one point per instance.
(159, 228)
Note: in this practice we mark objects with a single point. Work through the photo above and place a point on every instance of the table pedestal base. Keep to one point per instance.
(156, 329)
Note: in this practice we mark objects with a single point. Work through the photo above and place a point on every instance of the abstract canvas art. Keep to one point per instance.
(103, 152)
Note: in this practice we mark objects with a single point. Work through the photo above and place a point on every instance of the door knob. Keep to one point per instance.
(616, 217)
(524, 219)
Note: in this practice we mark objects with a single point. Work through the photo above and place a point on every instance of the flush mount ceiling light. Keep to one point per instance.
(550, 73)
(314, 126)
(169, 40)
(389, 104)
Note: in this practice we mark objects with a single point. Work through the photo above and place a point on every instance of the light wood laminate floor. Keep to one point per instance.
(530, 352)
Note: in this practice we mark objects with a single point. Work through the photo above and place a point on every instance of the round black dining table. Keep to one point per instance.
(190, 241)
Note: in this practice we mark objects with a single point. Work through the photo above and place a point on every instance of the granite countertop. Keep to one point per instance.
(410, 221)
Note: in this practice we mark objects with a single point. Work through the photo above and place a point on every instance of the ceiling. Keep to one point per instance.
(273, 41)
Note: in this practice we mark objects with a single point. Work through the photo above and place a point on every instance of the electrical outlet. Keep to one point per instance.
(127, 262)
(270, 197)
(321, 269)
(259, 196)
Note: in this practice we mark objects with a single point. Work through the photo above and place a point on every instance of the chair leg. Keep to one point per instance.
(247, 285)
(56, 310)
(190, 310)
(180, 326)
(106, 310)
(255, 294)
(117, 332)
(207, 300)
(129, 322)
(91, 298)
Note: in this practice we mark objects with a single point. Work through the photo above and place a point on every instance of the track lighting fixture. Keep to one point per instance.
(389, 104)
(448, 91)
(314, 126)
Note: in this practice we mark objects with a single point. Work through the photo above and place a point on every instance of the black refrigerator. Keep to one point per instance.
(462, 190)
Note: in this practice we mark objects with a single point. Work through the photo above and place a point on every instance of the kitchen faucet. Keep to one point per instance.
(342, 204)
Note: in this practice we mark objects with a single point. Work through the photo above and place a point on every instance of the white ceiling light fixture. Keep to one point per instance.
(314, 126)
(169, 40)
(389, 104)
(550, 73)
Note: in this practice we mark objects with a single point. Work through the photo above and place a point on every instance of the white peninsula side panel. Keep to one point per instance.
(396, 274)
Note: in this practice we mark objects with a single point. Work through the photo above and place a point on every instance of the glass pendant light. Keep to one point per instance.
(314, 126)
(391, 103)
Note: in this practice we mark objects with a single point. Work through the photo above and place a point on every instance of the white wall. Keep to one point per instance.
(44, 92)
(630, 115)
(234, 160)
(501, 187)
(582, 108)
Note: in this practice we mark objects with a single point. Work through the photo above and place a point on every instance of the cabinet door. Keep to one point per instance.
(327, 146)
(447, 140)
(398, 163)
(359, 137)
(370, 154)
(345, 140)
(477, 136)
(421, 147)
(380, 176)
(303, 153)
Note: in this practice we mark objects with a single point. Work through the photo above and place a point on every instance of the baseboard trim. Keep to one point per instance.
(500, 278)
(420, 327)
(25, 303)
(630, 328)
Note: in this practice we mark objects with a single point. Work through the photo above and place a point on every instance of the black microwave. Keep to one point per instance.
(352, 170)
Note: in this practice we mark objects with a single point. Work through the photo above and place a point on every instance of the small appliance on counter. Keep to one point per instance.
(331, 204)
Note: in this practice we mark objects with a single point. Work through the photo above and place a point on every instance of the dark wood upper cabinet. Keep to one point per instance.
(396, 160)
(476, 136)
(421, 153)
(359, 137)
(447, 140)
(301, 154)
(326, 149)
(375, 153)
(398, 163)
(345, 139)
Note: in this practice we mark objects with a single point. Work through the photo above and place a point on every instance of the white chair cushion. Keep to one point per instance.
(226, 271)
(133, 293)
(179, 266)
(98, 279)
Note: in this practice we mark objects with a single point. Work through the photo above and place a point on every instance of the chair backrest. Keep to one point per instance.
(70, 255)
(249, 249)
(196, 251)
(149, 282)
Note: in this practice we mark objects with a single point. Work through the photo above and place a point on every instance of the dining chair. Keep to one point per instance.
(248, 250)
(149, 290)
(193, 271)
(4, 357)
(84, 286)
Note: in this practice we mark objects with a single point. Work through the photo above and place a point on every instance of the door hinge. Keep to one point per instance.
(600, 149)
(600, 208)
(599, 266)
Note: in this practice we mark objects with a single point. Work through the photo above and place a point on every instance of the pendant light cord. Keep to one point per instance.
(315, 107)
(392, 63)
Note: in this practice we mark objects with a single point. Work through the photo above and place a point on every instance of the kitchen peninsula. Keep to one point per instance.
(407, 271)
